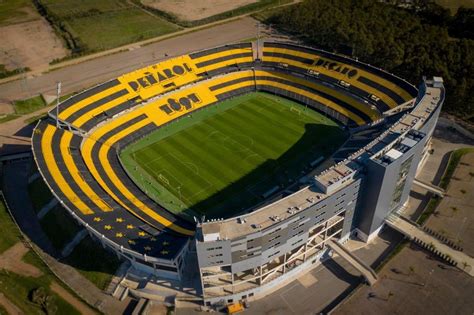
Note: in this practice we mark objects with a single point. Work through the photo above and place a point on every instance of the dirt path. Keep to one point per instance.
(11, 260)
(11, 308)
(68, 297)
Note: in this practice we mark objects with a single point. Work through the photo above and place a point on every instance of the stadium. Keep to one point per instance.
(255, 159)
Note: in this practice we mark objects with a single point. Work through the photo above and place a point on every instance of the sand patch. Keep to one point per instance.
(6, 108)
(11, 260)
(31, 44)
(191, 10)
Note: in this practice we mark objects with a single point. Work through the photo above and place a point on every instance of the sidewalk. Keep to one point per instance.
(412, 231)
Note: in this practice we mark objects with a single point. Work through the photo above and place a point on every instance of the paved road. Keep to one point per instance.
(79, 76)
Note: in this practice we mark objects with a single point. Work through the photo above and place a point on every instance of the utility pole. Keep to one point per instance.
(58, 93)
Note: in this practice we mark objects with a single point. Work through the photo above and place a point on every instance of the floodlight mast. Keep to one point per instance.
(258, 40)
(58, 93)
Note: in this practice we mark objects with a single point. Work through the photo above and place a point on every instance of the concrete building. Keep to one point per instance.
(249, 256)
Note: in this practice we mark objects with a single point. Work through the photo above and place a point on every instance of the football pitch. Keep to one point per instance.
(228, 157)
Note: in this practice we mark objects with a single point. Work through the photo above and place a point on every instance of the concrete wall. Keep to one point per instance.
(379, 187)
(256, 249)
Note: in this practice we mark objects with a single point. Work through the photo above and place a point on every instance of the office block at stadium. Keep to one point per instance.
(390, 124)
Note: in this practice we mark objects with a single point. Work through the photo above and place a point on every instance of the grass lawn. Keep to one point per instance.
(29, 105)
(15, 11)
(117, 28)
(70, 8)
(59, 226)
(106, 24)
(39, 193)
(94, 262)
(224, 158)
(10, 234)
(17, 288)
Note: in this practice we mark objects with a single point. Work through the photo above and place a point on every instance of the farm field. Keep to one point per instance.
(191, 10)
(226, 158)
(105, 24)
(190, 13)
(17, 11)
(21, 29)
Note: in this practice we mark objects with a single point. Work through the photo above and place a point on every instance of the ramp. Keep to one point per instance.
(368, 273)
(434, 189)
(412, 231)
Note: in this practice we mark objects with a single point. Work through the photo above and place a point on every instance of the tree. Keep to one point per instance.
(407, 42)
(47, 302)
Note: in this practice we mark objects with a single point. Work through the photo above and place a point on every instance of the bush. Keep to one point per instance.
(408, 43)
(47, 302)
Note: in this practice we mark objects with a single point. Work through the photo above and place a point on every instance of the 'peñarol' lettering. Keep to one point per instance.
(152, 78)
(177, 105)
(337, 67)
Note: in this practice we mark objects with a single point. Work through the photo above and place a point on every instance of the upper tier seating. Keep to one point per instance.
(83, 168)
(390, 90)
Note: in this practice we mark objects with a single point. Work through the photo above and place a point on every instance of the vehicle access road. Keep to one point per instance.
(77, 77)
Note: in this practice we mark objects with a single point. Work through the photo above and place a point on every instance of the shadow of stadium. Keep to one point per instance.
(273, 174)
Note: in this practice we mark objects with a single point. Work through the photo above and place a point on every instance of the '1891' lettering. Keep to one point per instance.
(183, 103)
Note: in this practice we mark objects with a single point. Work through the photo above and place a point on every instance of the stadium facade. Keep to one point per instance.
(244, 257)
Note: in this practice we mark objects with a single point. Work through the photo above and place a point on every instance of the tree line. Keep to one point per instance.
(415, 41)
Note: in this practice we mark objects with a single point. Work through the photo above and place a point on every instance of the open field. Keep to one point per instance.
(191, 10)
(190, 13)
(17, 11)
(30, 44)
(101, 25)
(28, 41)
(225, 158)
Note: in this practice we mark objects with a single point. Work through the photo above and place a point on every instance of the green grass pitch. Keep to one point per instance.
(223, 159)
